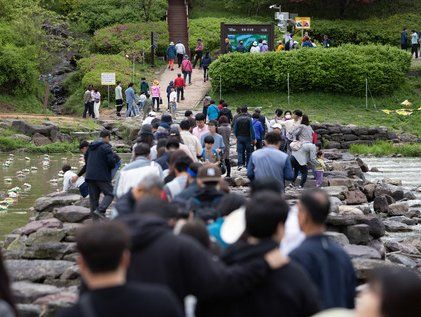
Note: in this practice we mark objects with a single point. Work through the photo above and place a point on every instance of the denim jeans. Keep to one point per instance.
(244, 150)
(185, 76)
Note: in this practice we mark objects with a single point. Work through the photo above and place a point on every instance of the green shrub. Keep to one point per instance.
(130, 37)
(92, 67)
(18, 71)
(135, 37)
(337, 70)
(374, 30)
(8, 144)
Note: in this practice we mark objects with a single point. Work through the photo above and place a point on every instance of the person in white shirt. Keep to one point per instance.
(255, 48)
(141, 102)
(68, 183)
(97, 102)
(172, 107)
(414, 43)
(192, 142)
(118, 99)
(181, 51)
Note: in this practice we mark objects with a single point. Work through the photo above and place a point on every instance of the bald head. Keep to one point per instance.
(316, 204)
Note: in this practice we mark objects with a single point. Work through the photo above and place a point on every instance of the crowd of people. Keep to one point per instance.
(184, 245)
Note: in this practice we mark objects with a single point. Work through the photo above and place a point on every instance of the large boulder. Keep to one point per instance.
(363, 266)
(358, 234)
(40, 140)
(49, 250)
(340, 220)
(21, 137)
(36, 270)
(380, 204)
(48, 203)
(375, 225)
(398, 209)
(362, 251)
(349, 210)
(338, 237)
(53, 303)
(45, 235)
(402, 259)
(72, 213)
(34, 226)
(379, 246)
(355, 197)
(394, 226)
(335, 202)
(369, 191)
(361, 164)
(393, 246)
(29, 310)
(336, 191)
(27, 292)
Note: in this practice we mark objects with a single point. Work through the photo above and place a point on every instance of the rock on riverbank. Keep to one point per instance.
(376, 223)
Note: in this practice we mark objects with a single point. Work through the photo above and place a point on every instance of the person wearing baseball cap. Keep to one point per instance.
(204, 203)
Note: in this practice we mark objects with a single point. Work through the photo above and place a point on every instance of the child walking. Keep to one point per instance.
(210, 155)
(320, 168)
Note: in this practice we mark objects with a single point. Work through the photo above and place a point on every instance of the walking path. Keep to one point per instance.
(193, 94)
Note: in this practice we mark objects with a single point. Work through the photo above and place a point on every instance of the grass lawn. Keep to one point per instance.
(28, 104)
(384, 148)
(329, 108)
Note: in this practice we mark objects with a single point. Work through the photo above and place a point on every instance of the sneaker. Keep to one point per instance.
(99, 215)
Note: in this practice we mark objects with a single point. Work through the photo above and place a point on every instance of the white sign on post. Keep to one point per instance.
(107, 79)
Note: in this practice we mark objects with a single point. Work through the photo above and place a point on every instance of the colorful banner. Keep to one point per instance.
(302, 23)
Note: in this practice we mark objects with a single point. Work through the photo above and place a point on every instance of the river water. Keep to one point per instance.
(40, 176)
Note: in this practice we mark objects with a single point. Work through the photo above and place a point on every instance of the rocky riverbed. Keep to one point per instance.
(378, 223)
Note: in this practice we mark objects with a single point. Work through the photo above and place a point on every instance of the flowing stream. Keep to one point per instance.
(36, 178)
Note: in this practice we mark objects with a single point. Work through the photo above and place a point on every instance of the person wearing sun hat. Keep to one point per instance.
(255, 48)
(264, 48)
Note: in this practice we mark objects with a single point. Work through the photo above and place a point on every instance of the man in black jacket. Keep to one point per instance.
(181, 263)
(244, 132)
(100, 160)
(287, 291)
(103, 261)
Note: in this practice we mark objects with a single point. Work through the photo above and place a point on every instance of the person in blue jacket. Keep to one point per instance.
(259, 131)
(171, 55)
(213, 111)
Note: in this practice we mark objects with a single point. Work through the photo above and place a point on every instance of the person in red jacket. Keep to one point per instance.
(179, 85)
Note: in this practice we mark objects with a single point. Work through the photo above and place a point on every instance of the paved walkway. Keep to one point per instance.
(193, 94)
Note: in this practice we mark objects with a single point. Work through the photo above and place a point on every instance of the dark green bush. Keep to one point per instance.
(373, 30)
(18, 71)
(337, 70)
(135, 37)
(130, 37)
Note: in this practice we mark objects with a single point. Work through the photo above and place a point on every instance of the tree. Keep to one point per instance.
(151, 10)
(343, 4)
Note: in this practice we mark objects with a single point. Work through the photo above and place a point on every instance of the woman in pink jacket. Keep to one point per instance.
(186, 68)
(156, 95)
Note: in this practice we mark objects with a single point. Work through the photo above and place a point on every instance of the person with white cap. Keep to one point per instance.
(171, 55)
(255, 48)
(264, 47)
(287, 291)
(181, 51)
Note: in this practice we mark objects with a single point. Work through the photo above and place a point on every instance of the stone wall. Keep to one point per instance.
(335, 136)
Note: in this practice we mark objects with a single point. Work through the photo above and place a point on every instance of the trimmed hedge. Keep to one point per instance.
(374, 30)
(336, 70)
